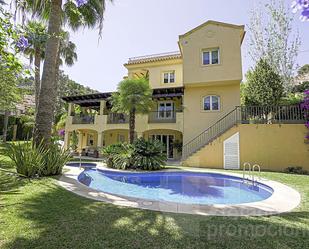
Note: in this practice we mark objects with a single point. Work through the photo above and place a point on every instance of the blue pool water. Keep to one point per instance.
(180, 187)
(83, 165)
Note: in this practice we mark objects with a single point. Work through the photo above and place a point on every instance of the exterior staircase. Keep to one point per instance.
(292, 114)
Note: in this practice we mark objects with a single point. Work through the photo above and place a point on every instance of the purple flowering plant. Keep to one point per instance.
(81, 2)
(22, 43)
(61, 132)
(303, 7)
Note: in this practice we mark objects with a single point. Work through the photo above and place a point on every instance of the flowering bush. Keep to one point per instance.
(303, 6)
(305, 106)
(81, 2)
(61, 133)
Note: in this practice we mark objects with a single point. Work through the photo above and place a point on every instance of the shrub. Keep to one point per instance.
(54, 160)
(27, 159)
(125, 158)
(148, 154)
(296, 170)
(109, 152)
(142, 155)
(31, 160)
(264, 85)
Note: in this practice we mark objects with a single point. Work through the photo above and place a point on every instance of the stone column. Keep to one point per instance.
(102, 106)
(100, 139)
(66, 140)
(70, 109)
(80, 141)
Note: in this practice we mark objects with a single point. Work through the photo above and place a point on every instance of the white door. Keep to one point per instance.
(231, 152)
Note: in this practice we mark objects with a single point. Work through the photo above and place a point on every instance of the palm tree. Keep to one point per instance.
(67, 52)
(36, 33)
(75, 14)
(133, 96)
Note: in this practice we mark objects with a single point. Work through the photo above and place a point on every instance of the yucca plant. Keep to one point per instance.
(27, 159)
(54, 160)
(32, 160)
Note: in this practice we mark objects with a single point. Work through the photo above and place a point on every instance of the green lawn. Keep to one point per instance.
(40, 214)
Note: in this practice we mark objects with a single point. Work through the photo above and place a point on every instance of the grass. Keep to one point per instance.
(40, 214)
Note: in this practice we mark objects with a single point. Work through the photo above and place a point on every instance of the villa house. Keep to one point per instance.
(197, 114)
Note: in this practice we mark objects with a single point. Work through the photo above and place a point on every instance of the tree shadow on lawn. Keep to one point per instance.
(60, 219)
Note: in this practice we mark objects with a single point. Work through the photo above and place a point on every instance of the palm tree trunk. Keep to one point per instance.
(5, 125)
(132, 125)
(47, 97)
(37, 76)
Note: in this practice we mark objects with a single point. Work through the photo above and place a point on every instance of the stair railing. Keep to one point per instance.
(283, 114)
(215, 130)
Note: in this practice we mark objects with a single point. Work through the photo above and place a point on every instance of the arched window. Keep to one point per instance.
(211, 103)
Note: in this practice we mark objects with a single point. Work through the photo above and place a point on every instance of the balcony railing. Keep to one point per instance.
(83, 119)
(117, 118)
(162, 117)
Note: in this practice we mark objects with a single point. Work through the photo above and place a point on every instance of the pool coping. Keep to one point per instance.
(283, 199)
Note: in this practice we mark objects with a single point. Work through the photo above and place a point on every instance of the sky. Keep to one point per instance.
(138, 27)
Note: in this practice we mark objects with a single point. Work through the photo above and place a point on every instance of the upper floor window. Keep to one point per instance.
(210, 56)
(169, 77)
(211, 103)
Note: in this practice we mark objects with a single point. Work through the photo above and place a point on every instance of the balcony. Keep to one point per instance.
(117, 118)
(83, 119)
(162, 117)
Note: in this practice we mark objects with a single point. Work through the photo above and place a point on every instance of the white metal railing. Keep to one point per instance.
(145, 57)
(249, 177)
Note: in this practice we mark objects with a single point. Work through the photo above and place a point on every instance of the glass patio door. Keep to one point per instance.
(167, 141)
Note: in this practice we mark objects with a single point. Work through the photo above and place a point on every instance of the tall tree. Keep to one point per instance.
(10, 67)
(304, 70)
(75, 14)
(264, 85)
(67, 87)
(36, 33)
(272, 38)
(133, 96)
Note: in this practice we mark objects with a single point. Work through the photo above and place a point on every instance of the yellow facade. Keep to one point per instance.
(274, 147)
(200, 84)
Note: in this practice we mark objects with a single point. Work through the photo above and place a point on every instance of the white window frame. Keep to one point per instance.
(210, 102)
(210, 51)
(165, 111)
(169, 77)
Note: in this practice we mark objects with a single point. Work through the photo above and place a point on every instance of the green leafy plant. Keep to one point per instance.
(27, 159)
(296, 170)
(37, 160)
(264, 85)
(148, 154)
(125, 158)
(109, 153)
(133, 96)
(141, 155)
(54, 160)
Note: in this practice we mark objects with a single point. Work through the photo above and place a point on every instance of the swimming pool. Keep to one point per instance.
(177, 187)
(82, 164)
